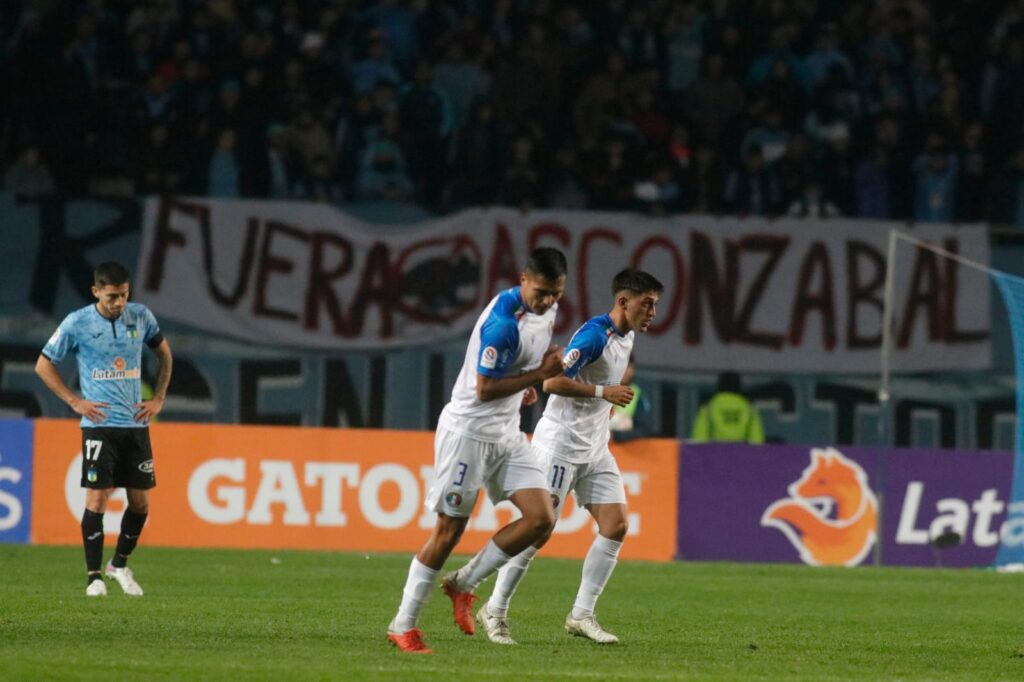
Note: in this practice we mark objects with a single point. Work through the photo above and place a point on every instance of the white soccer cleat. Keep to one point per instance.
(495, 627)
(97, 588)
(125, 579)
(588, 627)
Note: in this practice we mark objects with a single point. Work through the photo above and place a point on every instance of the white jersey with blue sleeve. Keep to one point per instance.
(576, 429)
(109, 357)
(508, 340)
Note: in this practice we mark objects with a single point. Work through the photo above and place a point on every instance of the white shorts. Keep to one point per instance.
(597, 481)
(463, 465)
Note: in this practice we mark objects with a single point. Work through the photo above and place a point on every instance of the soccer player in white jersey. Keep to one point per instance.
(106, 339)
(573, 435)
(478, 444)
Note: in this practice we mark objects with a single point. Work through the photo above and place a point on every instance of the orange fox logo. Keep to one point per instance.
(806, 519)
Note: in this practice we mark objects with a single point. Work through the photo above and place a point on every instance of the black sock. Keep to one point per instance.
(92, 539)
(131, 528)
(93, 576)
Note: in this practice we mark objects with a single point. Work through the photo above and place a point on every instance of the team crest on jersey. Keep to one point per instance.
(132, 331)
(489, 358)
(453, 499)
(571, 358)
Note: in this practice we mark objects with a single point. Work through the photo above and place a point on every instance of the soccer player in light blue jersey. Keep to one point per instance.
(107, 339)
(478, 444)
(573, 435)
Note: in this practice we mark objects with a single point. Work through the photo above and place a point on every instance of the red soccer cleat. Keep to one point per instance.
(410, 642)
(462, 605)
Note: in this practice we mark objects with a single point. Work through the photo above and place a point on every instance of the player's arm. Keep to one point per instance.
(87, 408)
(572, 388)
(586, 346)
(148, 409)
(492, 388)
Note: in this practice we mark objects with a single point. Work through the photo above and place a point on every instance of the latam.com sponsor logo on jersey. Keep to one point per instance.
(15, 479)
(238, 486)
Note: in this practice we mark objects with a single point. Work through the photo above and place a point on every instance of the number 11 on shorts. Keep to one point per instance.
(92, 450)
(558, 476)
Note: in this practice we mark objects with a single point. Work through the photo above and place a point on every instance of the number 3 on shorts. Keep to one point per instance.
(462, 473)
(92, 450)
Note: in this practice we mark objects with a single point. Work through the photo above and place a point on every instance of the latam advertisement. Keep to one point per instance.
(821, 506)
(739, 294)
(328, 489)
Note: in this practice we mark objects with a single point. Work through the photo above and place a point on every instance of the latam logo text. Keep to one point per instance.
(972, 520)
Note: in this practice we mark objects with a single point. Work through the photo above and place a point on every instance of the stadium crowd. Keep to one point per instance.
(906, 109)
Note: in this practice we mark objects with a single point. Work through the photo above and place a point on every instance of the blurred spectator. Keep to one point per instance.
(160, 162)
(812, 203)
(826, 56)
(715, 100)
(375, 67)
(972, 190)
(310, 142)
(728, 417)
(871, 180)
(477, 155)
(426, 119)
(462, 82)
(382, 171)
(29, 176)
(565, 182)
(1008, 193)
(521, 185)
(795, 165)
(223, 172)
(658, 193)
(637, 39)
(683, 39)
(753, 189)
(769, 135)
(935, 193)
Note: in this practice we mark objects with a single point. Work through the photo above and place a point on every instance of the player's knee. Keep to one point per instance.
(615, 528)
(139, 508)
(542, 522)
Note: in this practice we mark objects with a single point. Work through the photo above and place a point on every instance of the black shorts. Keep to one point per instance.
(117, 458)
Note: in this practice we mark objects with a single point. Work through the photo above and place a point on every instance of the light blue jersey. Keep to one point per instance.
(109, 356)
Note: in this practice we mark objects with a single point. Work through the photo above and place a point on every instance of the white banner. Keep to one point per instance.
(744, 294)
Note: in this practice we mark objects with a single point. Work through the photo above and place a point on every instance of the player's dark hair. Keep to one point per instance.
(547, 262)
(636, 282)
(109, 274)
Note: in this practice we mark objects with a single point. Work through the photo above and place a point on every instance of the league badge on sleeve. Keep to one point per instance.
(489, 358)
(571, 358)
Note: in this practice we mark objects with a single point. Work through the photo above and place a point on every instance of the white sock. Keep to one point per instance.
(509, 577)
(487, 561)
(418, 587)
(597, 569)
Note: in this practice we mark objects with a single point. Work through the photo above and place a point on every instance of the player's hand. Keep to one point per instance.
(148, 409)
(551, 365)
(89, 409)
(618, 395)
(529, 396)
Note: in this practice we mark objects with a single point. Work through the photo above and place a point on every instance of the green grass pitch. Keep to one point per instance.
(315, 615)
